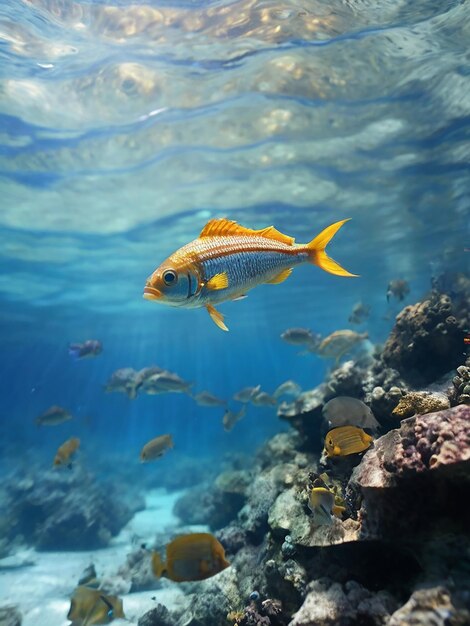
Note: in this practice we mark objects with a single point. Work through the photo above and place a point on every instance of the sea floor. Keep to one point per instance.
(41, 587)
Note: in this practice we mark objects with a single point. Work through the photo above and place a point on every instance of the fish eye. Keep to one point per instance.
(170, 277)
(254, 595)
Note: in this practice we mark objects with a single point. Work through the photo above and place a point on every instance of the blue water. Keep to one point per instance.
(124, 127)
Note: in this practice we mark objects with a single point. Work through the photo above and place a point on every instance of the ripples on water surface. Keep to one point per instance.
(125, 126)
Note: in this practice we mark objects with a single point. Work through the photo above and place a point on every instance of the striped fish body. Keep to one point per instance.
(245, 261)
(227, 260)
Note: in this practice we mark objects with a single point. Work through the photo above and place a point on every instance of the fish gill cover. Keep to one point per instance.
(125, 127)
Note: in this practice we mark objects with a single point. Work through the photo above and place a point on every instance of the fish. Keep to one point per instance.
(123, 380)
(230, 418)
(263, 399)
(339, 343)
(347, 411)
(53, 416)
(91, 606)
(144, 374)
(359, 313)
(195, 556)
(346, 440)
(301, 337)
(321, 502)
(87, 349)
(205, 398)
(289, 388)
(89, 577)
(65, 452)
(228, 260)
(156, 448)
(398, 288)
(245, 394)
(165, 382)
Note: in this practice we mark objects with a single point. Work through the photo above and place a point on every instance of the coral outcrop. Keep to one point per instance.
(426, 341)
(67, 510)
(10, 616)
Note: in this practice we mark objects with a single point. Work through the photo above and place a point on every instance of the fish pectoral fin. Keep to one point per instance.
(219, 281)
(216, 316)
(336, 450)
(281, 277)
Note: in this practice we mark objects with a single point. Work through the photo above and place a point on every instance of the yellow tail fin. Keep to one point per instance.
(158, 566)
(316, 249)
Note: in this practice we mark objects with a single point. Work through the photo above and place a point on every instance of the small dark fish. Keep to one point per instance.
(398, 288)
(165, 382)
(156, 448)
(195, 556)
(263, 399)
(87, 349)
(359, 313)
(299, 337)
(245, 394)
(53, 416)
(230, 418)
(123, 380)
(205, 398)
(289, 388)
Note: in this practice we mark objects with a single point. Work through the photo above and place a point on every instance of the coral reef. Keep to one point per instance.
(433, 607)
(67, 510)
(426, 341)
(328, 604)
(460, 392)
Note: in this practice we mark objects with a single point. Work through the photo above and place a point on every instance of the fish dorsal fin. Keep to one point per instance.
(223, 228)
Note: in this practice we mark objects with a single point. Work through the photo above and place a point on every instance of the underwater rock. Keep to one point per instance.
(416, 473)
(261, 494)
(434, 607)
(68, 511)
(259, 613)
(235, 481)
(287, 515)
(206, 504)
(158, 616)
(346, 380)
(10, 616)
(426, 341)
(233, 537)
(211, 601)
(137, 571)
(330, 604)
(420, 402)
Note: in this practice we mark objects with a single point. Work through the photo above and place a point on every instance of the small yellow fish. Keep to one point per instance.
(92, 606)
(227, 260)
(346, 440)
(156, 448)
(321, 502)
(65, 451)
(195, 556)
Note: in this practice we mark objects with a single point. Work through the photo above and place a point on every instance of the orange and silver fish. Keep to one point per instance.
(227, 260)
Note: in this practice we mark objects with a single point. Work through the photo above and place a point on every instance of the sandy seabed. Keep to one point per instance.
(42, 589)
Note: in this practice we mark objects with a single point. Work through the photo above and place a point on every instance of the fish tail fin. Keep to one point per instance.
(317, 254)
(158, 566)
(338, 510)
